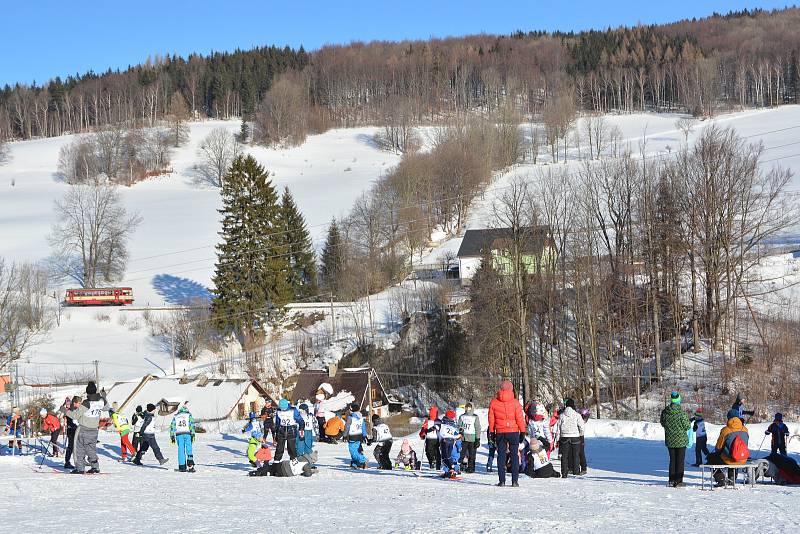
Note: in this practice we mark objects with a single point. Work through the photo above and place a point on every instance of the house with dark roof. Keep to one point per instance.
(536, 243)
(362, 382)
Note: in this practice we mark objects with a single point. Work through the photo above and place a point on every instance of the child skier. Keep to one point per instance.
(779, 431)
(585, 414)
(356, 432)
(448, 434)
(149, 437)
(123, 428)
(52, 426)
(407, 458)
(538, 464)
(253, 444)
(491, 444)
(72, 427)
(182, 432)
(15, 427)
(136, 425)
(539, 429)
(305, 444)
(701, 437)
(470, 426)
(382, 435)
(252, 423)
(430, 433)
(288, 426)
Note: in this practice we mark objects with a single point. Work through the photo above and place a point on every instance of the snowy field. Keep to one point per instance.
(625, 491)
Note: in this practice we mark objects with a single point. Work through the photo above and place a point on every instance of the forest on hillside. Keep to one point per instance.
(742, 59)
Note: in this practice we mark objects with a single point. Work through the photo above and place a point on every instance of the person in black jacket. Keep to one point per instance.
(136, 424)
(149, 438)
(72, 426)
(268, 418)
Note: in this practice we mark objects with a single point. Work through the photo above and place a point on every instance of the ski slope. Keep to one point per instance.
(624, 491)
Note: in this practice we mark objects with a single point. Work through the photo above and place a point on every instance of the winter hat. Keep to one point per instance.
(405, 447)
(779, 416)
(251, 415)
(151, 407)
(569, 403)
(43, 412)
(433, 413)
(304, 407)
(139, 408)
(354, 407)
(450, 414)
(91, 388)
(115, 406)
(536, 445)
(283, 404)
(257, 434)
(506, 386)
(732, 413)
(585, 413)
(675, 398)
(698, 412)
(538, 417)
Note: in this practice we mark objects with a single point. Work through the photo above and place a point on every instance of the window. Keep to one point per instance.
(240, 410)
(253, 406)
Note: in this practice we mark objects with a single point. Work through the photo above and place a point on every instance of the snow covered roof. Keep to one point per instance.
(353, 380)
(208, 400)
(478, 242)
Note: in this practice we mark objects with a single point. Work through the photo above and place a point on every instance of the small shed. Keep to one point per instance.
(208, 398)
(495, 242)
(356, 381)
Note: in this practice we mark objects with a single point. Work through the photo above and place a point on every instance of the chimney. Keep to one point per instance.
(332, 370)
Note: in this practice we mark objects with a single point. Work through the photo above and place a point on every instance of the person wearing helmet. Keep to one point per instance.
(52, 426)
(289, 424)
(448, 436)
(779, 432)
(123, 428)
(253, 444)
(182, 432)
(252, 423)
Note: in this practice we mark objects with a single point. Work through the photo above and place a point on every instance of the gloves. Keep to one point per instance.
(172, 439)
(477, 443)
(302, 434)
(192, 438)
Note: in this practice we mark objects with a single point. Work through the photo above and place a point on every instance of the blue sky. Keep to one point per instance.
(44, 38)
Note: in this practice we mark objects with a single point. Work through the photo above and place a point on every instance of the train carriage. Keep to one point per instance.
(109, 296)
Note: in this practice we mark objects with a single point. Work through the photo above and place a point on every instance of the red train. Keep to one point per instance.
(109, 296)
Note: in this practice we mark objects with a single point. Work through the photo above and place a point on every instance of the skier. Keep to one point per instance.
(252, 423)
(288, 426)
(253, 444)
(305, 444)
(72, 427)
(675, 422)
(539, 429)
(570, 427)
(356, 432)
(15, 427)
(506, 421)
(430, 433)
(124, 429)
(268, 420)
(470, 426)
(382, 435)
(491, 444)
(137, 421)
(779, 432)
(334, 429)
(149, 437)
(52, 426)
(538, 464)
(585, 414)
(87, 414)
(448, 434)
(407, 458)
(182, 433)
(701, 437)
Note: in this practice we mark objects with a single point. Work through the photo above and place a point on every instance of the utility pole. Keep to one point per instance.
(172, 336)
(97, 372)
(333, 320)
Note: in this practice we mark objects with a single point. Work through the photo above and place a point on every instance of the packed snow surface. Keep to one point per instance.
(624, 491)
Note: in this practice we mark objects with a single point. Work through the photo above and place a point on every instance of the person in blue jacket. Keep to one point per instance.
(355, 429)
(305, 443)
(252, 423)
(289, 425)
(779, 431)
(182, 432)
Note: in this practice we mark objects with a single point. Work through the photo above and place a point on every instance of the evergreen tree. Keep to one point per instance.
(250, 278)
(302, 274)
(333, 259)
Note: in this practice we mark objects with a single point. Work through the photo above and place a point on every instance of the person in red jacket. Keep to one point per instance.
(507, 422)
(51, 425)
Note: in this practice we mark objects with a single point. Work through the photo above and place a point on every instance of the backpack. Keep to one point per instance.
(739, 451)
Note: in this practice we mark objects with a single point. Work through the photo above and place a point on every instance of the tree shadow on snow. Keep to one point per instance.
(243, 467)
(222, 448)
(177, 290)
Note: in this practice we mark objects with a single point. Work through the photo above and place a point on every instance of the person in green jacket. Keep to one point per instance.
(470, 426)
(123, 427)
(253, 444)
(675, 422)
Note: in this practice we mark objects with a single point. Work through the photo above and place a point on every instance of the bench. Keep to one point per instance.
(749, 467)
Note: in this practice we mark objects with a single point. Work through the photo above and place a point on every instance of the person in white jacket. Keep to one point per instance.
(570, 429)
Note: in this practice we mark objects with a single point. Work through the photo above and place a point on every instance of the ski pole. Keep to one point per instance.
(762, 443)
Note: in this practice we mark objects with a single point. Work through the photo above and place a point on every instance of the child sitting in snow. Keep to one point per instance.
(253, 444)
(779, 431)
(538, 465)
(407, 458)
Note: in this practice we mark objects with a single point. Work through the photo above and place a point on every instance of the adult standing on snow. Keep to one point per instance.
(506, 421)
(87, 414)
(430, 433)
(570, 429)
(676, 423)
(470, 426)
(149, 437)
(289, 425)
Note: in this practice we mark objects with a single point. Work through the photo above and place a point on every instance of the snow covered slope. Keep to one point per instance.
(624, 491)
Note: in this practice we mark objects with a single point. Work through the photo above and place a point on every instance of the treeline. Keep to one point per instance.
(747, 58)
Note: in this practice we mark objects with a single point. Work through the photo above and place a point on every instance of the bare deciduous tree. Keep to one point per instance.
(178, 115)
(217, 151)
(27, 313)
(89, 239)
(282, 116)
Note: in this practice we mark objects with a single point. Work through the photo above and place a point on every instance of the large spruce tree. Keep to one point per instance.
(250, 279)
(302, 273)
(333, 260)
